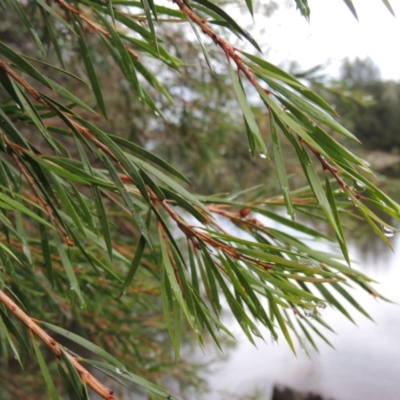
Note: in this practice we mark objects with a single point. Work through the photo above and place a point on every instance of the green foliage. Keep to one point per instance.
(375, 119)
(107, 253)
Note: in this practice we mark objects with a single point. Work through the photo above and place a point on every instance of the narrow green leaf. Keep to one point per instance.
(52, 66)
(127, 379)
(332, 300)
(249, 4)
(134, 265)
(103, 219)
(66, 262)
(304, 8)
(388, 6)
(148, 6)
(332, 202)
(31, 111)
(67, 203)
(45, 242)
(350, 299)
(122, 56)
(283, 119)
(84, 343)
(311, 109)
(280, 166)
(9, 324)
(281, 322)
(74, 378)
(90, 70)
(22, 64)
(45, 371)
(28, 25)
(10, 342)
(351, 7)
(49, 28)
(169, 269)
(15, 205)
(203, 48)
(55, 15)
(171, 183)
(140, 151)
(248, 114)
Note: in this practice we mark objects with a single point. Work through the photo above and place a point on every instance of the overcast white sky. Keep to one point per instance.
(334, 34)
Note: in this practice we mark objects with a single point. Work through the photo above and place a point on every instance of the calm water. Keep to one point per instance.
(364, 366)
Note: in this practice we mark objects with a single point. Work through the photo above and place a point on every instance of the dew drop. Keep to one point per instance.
(321, 306)
(309, 262)
(366, 164)
(192, 318)
(263, 155)
(310, 312)
(388, 232)
(359, 187)
(118, 371)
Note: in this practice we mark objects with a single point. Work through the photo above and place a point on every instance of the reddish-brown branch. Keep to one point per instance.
(56, 348)
(327, 166)
(194, 235)
(229, 50)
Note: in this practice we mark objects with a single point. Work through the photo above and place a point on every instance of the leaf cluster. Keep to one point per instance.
(100, 235)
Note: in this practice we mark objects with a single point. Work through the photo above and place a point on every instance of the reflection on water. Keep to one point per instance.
(364, 366)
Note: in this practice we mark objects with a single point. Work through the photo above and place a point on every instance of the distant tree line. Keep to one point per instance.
(375, 120)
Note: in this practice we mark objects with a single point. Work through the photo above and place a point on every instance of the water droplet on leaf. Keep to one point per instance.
(309, 262)
(388, 232)
(310, 312)
(359, 187)
(366, 164)
(263, 155)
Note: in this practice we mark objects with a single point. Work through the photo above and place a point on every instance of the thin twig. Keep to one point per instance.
(56, 348)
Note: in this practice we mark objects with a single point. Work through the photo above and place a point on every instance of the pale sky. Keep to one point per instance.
(334, 34)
